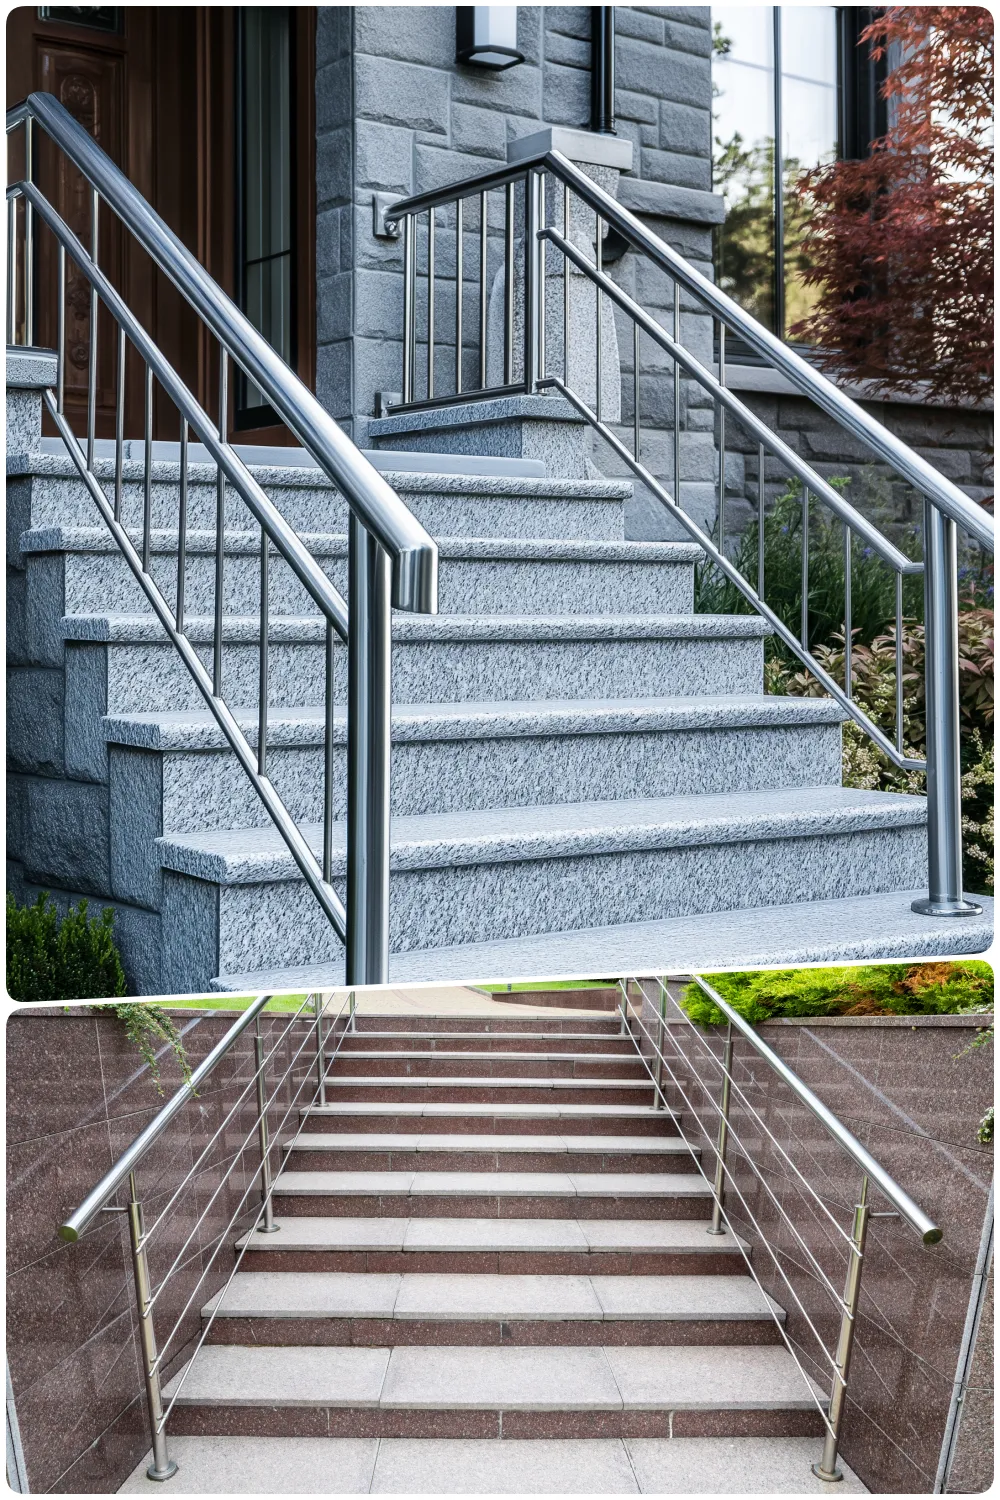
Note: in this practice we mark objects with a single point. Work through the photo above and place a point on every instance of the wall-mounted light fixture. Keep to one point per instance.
(486, 36)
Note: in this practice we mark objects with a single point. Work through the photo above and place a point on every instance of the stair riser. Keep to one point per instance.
(488, 1161)
(194, 790)
(134, 677)
(381, 1333)
(493, 1263)
(318, 1421)
(456, 1124)
(486, 1206)
(430, 1067)
(96, 582)
(549, 1043)
(57, 501)
(486, 1093)
(497, 1028)
(256, 927)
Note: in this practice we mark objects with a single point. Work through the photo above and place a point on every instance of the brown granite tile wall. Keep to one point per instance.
(78, 1093)
(913, 1094)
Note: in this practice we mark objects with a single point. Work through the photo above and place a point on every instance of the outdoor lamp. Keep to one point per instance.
(486, 36)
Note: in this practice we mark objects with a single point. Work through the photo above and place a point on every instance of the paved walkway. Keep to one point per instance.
(446, 1000)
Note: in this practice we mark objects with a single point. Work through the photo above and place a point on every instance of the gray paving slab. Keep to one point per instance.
(495, 1234)
(263, 1466)
(748, 1377)
(506, 1184)
(512, 1379)
(318, 1294)
(683, 1298)
(231, 1375)
(498, 1298)
(342, 1184)
(655, 1234)
(472, 1466)
(339, 1232)
(733, 1466)
(588, 1145)
(639, 1184)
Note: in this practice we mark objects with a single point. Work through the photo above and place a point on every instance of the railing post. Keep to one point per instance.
(827, 1467)
(352, 1012)
(944, 766)
(409, 298)
(532, 290)
(320, 1060)
(369, 711)
(719, 1188)
(657, 1095)
(162, 1467)
(268, 1226)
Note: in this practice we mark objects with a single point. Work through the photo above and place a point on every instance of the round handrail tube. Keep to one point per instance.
(809, 381)
(900, 1199)
(112, 1180)
(413, 551)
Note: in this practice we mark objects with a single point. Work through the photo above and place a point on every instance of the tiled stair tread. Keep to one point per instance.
(311, 629)
(561, 830)
(493, 1298)
(196, 729)
(505, 1111)
(478, 1081)
(482, 1466)
(881, 925)
(595, 1145)
(440, 1055)
(549, 1378)
(97, 540)
(495, 1184)
(536, 1236)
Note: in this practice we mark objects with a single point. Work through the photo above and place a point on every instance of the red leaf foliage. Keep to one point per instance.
(900, 244)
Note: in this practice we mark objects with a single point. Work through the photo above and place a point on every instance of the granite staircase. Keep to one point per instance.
(586, 773)
(490, 1232)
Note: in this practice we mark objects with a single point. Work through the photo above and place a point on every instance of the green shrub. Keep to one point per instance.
(146, 1026)
(876, 990)
(72, 959)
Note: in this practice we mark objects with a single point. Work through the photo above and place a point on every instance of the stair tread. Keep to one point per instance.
(508, 834)
(542, 1236)
(592, 1145)
(442, 1055)
(495, 1184)
(881, 925)
(196, 729)
(505, 1111)
(656, 1378)
(457, 1297)
(477, 1081)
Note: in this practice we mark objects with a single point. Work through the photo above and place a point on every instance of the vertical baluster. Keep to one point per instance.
(508, 285)
(430, 303)
(220, 527)
(848, 611)
(329, 761)
(531, 279)
(320, 1096)
(804, 624)
(677, 398)
(163, 1466)
(541, 275)
(760, 520)
(408, 307)
(268, 1226)
(182, 522)
(147, 476)
(827, 1467)
(599, 363)
(264, 645)
(11, 271)
(719, 1188)
(483, 288)
(566, 286)
(722, 441)
(29, 236)
(635, 389)
(458, 297)
(119, 423)
(92, 360)
(899, 662)
(61, 329)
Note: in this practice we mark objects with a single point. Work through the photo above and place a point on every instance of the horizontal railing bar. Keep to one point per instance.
(112, 1180)
(723, 396)
(413, 551)
(458, 398)
(284, 538)
(736, 577)
(441, 197)
(914, 1215)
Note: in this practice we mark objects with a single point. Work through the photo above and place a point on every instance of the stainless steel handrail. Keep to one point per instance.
(373, 500)
(887, 1185)
(82, 1217)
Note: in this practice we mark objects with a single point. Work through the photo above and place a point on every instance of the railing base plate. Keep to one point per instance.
(928, 908)
(161, 1474)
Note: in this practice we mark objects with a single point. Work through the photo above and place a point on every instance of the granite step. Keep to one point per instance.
(556, 1391)
(395, 1151)
(568, 1247)
(343, 1307)
(457, 1088)
(495, 1026)
(476, 1195)
(471, 878)
(83, 567)
(450, 757)
(416, 1063)
(521, 1043)
(553, 1118)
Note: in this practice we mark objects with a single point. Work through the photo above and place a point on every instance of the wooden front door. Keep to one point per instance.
(163, 91)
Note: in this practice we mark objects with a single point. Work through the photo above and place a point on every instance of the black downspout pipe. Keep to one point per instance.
(602, 69)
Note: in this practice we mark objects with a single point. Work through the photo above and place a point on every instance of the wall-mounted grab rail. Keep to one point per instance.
(260, 1095)
(696, 1095)
(392, 559)
(551, 177)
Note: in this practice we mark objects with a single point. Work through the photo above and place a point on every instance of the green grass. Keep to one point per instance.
(236, 1002)
(547, 984)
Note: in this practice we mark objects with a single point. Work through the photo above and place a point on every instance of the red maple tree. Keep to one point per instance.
(899, 245)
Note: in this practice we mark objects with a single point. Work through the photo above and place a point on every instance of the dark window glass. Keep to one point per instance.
(264, 184)
(97, 17)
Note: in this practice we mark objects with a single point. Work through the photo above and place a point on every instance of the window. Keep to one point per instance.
(264, 191)
(791, 90)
